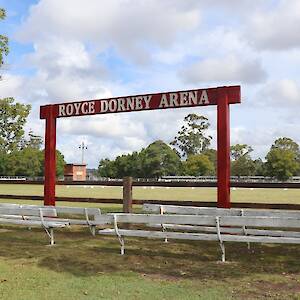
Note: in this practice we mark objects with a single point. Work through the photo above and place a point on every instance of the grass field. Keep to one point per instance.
(161, 193)
(80, 266)
(83, 267)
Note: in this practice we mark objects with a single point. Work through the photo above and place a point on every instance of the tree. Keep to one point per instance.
(192, 139)
(159, 159)
(3, 40)
(239, 150)
(60, 163)
(12, 120)
(107, 168)
(283, 159)
(212, 156)
(198, 165)
(242, 164)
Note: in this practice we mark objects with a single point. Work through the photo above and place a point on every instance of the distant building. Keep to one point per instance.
(75, 172)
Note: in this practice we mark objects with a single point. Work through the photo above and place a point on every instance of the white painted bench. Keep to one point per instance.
(29, 217)
(86, 216)
(263, 228)
(212, 211)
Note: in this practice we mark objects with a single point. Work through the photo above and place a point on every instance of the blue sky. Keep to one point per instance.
(64, 50)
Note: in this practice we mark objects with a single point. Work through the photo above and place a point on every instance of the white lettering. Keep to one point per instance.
(61, 110)
(204, 98)
(173, 99)
(103, 106)
(84, 108)
(113, 105)
(147, 101)
(92, 107)
(121, 104)
(69, 109)
(138, 102)
(130, 103)
(193, 97)
(183, 99)
(77, 107)
(163, 101)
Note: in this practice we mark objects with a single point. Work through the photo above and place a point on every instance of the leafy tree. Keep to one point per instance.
(107, 168)
(3, 40)
(198, 165)
(283, 159)
(12, 120)
(60, 163)
(158, 159)
(3, 163)
(192, 139)
(26, 162)
(34, 141)
(259, 167)
(242, 164)
(239, 150)
(287, 144)
(212, 156)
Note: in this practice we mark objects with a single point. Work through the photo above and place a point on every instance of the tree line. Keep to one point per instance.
(189, 154)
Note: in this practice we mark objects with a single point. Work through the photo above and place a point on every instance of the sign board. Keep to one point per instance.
(189, 98)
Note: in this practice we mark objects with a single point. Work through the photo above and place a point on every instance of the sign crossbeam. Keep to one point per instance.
(220, 96)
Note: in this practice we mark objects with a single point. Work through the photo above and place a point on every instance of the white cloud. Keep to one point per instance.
(284, 93)
(127, 26)
(226, 69)
(276, 28)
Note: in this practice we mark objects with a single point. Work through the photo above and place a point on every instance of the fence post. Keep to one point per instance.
(127, 194)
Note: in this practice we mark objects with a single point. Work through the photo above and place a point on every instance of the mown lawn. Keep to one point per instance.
(161, 193)
(80, 266)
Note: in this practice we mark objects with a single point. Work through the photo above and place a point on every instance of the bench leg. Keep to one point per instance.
(50, 233)
(93, 230)
(122, 243)
(222, 246)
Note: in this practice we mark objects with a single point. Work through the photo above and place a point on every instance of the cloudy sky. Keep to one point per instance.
(69, 50)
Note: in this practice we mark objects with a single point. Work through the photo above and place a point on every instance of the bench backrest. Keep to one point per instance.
(212, 211)
(255, 221)
(94, 212)
(28, 211)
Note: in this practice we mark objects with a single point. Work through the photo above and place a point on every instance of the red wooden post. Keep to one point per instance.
(50, 158)
(223, 150)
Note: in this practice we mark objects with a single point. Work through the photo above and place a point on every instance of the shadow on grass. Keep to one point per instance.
(80, 254)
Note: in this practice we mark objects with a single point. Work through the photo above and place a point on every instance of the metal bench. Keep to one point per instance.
(212, 211)
(263, 229)
(87, 216)
(29, 217)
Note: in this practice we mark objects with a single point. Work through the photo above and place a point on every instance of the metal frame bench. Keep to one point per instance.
(263, 229)
(87, 216)
(212, 211)
(29, 217)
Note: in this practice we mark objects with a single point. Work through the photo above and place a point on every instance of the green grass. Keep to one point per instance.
(80, 266)
(83, 267)
(161, 193)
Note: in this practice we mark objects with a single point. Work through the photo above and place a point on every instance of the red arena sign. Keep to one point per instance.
(190, 98)
(220, 96)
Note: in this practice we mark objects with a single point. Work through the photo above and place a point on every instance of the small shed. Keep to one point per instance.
(75, 172)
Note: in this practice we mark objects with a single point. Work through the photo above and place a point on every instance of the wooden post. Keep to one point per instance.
(223, 141)
(127, 194)
(50, 158)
